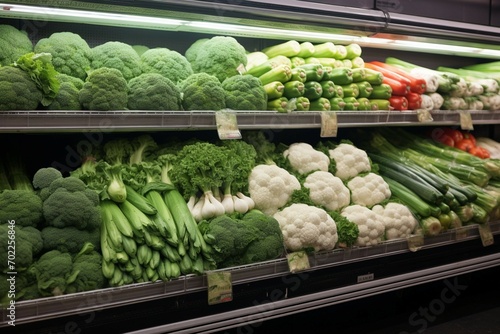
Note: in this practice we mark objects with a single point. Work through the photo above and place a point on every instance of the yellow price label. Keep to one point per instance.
(220, 287)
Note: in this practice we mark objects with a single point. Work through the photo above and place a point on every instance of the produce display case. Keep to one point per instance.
(264, 290)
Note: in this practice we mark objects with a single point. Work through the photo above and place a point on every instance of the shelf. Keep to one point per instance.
(72, 121)
(59, 306)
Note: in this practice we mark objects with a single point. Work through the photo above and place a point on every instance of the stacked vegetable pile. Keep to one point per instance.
(444, 186)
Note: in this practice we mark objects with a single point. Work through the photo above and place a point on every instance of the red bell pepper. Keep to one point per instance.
(398, 102)
(417, 84)
(414, 100)
(399, 84)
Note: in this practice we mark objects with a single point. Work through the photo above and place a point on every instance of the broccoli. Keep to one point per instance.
(44, 176)
(26, 287)
(71, 54)
(69, 239)
(87, 266)
(23, 206)
(104, 89)
(202, 91)
(53, 271)
(17, 90)
(28, 242)
(220, 56)
(347, 230)
(117, 55)
(244, 92)
(171, 64)
(13, 44)
(193, 49)
(153, 91)
(70, 203)
(67, 97)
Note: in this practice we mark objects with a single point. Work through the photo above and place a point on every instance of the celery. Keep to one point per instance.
(288, 49)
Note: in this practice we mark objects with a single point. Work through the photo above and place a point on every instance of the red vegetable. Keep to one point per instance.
(456, 134)
(465, 145)
(468, 135)
(399, 84)
(417, 84)
(414, 100)
(480, 152)
(398, 102)
(447, 140)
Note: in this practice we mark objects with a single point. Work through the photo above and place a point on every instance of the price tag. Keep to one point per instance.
(415, 242)
(227, 124)
(460, 233)
(485, 234)
(329, 124)
(424, 116)
(466, 120)
(220, 287)
(298, 261)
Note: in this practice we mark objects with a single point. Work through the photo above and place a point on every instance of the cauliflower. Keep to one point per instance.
(370, 224)
(13, 44)
(304, 158)
(171, 64)
(368, 189)
(153, 91)
(104, 89)
(118, 55)
(350, 161)
(327, 190)
(398, 220)
(71, 54)
(271, 187)
(202, 91)
(17, 90)
(244, 92)
(305, 227)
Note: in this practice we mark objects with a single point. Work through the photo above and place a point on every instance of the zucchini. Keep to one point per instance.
(313, 90)
(307, 49)
(268, 65)
(350, 90)
(329, 89)
(281, 73)
(298, 74)
(353, 50)
(293, 89)
(297, 61)
(373, 77)
(364, 88)
(340, 76)
(380, 104)
(351, 103)
(341, 53)
(337, 103)
(326, 50)
(288, 49)
(320, 104)
(314, 72)
(279, 104)
(358, 74)
(274, 89)
(382, 91)
(364, 104)
(302, 104)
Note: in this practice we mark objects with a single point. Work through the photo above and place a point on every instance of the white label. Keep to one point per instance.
(365, 278)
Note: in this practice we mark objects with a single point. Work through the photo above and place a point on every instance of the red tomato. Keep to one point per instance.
(468, 135)
(480, 152)
(447, 140)
(465, 145)
(456, 134)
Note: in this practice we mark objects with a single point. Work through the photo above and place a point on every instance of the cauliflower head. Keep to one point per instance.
(350, 161)
(244, 92)
(202, 91)
(271, 187)
(327, 190)
(104, 89)
(304, 158)
(13, 44)
(71, 54)
(307, 227)
(153, 91)
(368, 189)
(171, 64)
(398, 220)
(117, 55)
(370, 224)
(17, 90)
(220, 56)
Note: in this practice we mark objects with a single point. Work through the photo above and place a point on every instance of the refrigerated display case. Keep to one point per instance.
(264, 290)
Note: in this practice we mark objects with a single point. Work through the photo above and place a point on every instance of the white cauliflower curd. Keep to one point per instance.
(398, 220)
(327, 190)
(370, 224)
(350, 161)
(304, 158)
(368, 189)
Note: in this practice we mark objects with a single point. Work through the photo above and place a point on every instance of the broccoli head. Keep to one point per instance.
(13, 44)
(44, 176)
(153, 91)
(244, 92)
(29, 244)
(53, 271)
(104, 89)
(220, 56)
(171, 64)
(17, 90)
(67, 97)
(23, 206)
(202, 91)
(193, 49)
(71, 54)
(69, 239)
(87, 268)
(117, 55)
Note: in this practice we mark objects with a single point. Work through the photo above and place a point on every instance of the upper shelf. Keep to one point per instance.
(105, 121)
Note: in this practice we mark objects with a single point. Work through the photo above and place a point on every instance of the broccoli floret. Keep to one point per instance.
(69, 239)
(44, 176)
(104, 89)
(23, 206)
(244, 92)
(153, 91)
(193, 49)
(87, 264)
(67, 97)
(28, 242)
(13, 44)
(220, 56)
(53, 271)
(171, 64)
(347, 230)
(69, 202)
(202, 91)
(117, 55)
(17, 90)
(25, 285)
(71, 54)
